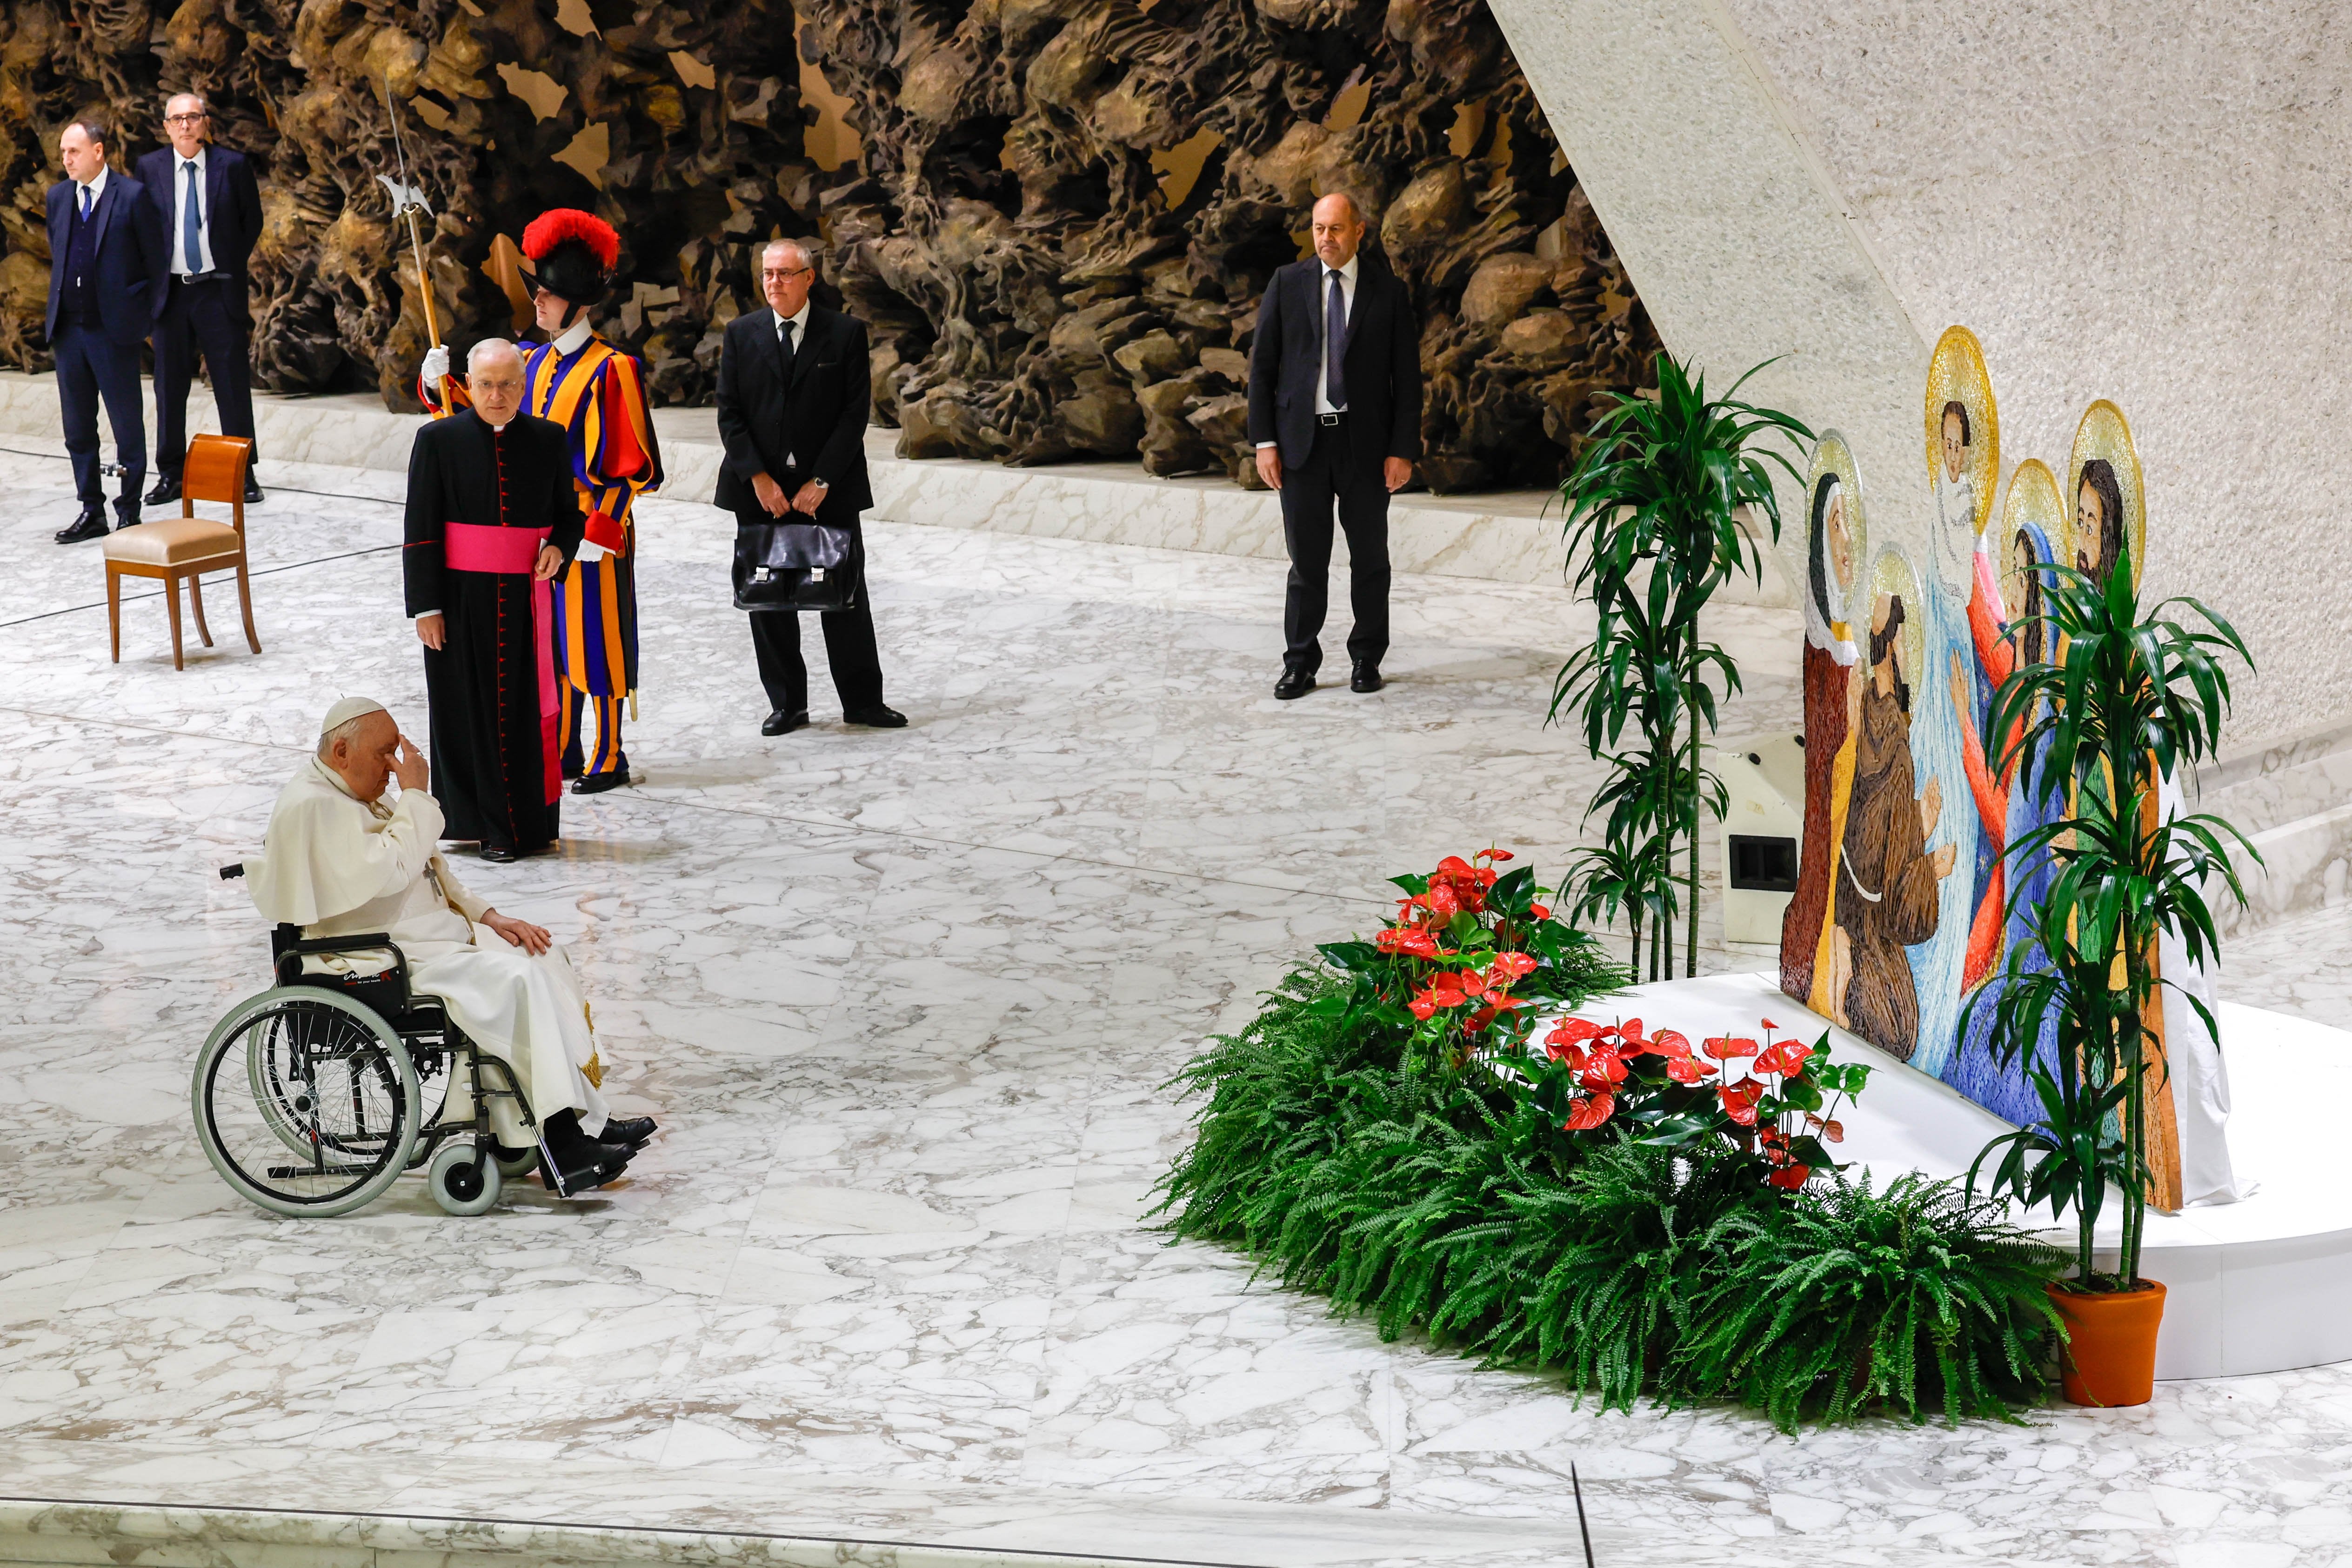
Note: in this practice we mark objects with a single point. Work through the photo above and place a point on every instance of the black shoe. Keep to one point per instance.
(1365, 677)
(166, 490)
(597, 783)
(498, 854)
(782, 723)
(1293, 684)
(876, 718)
(252, 491)
(630, 1131)
(90, 525)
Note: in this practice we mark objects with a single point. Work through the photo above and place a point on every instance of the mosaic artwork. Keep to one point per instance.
(1908, 906)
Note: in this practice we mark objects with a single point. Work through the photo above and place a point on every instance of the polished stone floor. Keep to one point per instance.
(905, 1004)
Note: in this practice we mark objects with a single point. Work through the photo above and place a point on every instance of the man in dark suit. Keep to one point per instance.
(208, 209)
(1335, 410)
(792, 396)
(105, 255)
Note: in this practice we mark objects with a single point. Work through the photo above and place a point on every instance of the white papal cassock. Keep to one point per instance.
(336, 865)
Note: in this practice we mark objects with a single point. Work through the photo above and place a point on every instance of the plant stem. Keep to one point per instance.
(1690, 962)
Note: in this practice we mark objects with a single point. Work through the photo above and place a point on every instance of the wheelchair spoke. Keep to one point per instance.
(308, 1080)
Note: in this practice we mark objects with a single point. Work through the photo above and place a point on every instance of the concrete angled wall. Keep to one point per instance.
(2151, 204)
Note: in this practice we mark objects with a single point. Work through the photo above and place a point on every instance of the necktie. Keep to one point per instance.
(784, 344)
(1335, 345)
(85, 204)
(192, 222)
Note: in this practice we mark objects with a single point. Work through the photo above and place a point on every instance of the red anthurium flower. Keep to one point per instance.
(1740, 1100)
(1574, 1032)
(1422, 1008)
(1834, 1131)
(1452, 866)
(1724, 1048)
(1630, 1029)
(1513, 966)
(1686, 1069)
(1670, 1042)
(1480, 1020)
(1492, 854)
(1790, 1177)
(1539, 910)
(1785, 1059)
(1472, 982)
(1589, 1113)
(1604, 1073)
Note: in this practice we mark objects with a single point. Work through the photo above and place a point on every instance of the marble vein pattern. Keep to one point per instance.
(905, 1005)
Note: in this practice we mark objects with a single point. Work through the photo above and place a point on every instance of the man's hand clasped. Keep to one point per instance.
(776, 503)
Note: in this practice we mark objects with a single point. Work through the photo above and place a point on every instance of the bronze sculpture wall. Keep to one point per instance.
(1040, 284)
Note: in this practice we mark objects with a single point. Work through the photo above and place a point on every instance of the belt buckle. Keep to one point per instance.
(1327, 419)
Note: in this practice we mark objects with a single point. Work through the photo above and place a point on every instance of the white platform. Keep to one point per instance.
(2256, 1286)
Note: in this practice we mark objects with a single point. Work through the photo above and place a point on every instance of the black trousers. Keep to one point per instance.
(849, 648)
(90, 366)
(1335, 475)
(197, 320)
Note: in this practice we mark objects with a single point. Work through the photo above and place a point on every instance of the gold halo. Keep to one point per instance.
(1957, 370)
(2104, 434)
(1891, 572)
(1832, 456)
(2033, 498)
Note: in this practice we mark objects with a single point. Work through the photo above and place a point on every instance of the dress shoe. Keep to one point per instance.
(876, 718)
(1365, 677)
(597, 783)
(498, 854)
(166, 490)
(90, 525)
(1293, 684)
(630, 1131)
(782, 723)
(252, 491)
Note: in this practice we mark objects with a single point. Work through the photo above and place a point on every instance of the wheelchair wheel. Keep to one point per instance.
(305, 1101)
(464, 1179)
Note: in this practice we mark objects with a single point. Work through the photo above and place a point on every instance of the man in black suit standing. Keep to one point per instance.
(1335, 410)
(792, 396)
(105, 255)
(208, 209)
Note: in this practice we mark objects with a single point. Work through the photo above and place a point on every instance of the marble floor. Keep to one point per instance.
(905, 1004)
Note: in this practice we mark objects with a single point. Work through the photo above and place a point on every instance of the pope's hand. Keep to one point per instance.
(532, 939)
(409, 766)
(432, 631)
(436, 364)
(550, 562)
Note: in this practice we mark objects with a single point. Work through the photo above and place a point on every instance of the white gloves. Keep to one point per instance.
(590, 550)
(436, 364)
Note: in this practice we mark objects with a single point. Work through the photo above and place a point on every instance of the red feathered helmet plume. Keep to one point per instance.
(571, 254)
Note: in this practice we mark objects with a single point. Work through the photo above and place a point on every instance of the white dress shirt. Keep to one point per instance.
(181, 263)
(96, 189)
(796, 325)
(1322, 316)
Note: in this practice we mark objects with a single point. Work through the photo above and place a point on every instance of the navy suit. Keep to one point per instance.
(99, 312)
(209, 316)
(1335, 459)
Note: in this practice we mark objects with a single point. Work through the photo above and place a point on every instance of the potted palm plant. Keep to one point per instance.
(2126, 702)
(1653, 530)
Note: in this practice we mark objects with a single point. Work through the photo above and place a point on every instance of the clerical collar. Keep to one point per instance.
(573, 338)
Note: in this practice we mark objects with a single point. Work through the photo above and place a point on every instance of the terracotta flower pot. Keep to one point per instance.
(2109, 1358)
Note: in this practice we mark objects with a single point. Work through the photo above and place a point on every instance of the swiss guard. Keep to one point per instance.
(597, 394)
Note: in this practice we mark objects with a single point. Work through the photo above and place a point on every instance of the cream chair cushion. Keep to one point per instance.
(174, 541)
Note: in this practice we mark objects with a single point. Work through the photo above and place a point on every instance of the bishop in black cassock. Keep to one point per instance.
(496, 710)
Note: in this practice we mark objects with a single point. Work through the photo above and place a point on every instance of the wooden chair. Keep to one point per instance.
(180, 548)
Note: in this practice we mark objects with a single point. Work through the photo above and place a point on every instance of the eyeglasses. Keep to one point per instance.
(186, 118)
(768, 272)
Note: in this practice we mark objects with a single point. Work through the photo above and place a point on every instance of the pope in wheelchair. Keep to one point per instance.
(398, 989)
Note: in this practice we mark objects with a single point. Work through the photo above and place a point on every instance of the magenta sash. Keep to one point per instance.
(470, 547)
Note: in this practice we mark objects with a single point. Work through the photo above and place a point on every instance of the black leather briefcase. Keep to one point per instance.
(796, 565)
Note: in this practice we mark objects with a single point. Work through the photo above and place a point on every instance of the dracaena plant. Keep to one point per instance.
(2126, 702)
(1652, 527)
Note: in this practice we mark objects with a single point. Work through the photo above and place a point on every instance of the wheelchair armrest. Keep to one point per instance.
(290, 952)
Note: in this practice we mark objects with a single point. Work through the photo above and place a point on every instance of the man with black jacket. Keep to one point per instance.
(792, 397)
(1335, 410)
(105, 255)
(208, 209)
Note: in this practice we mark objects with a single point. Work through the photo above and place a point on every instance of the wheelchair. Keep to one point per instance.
(311, 1099)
